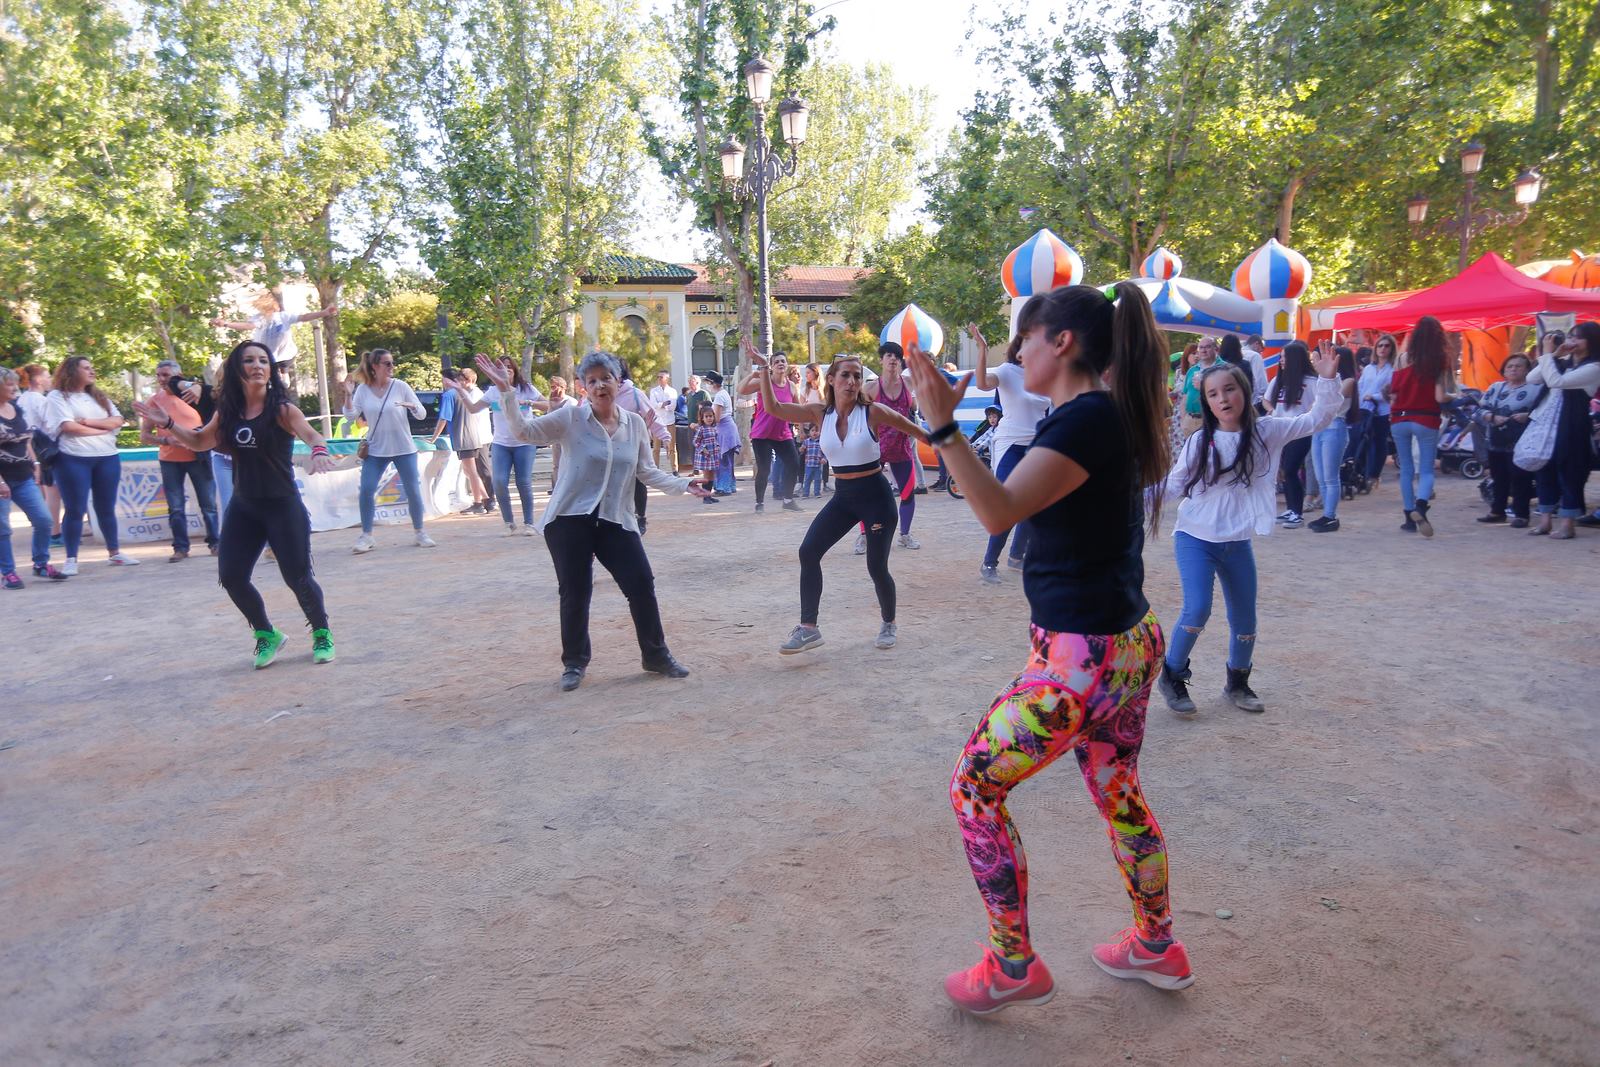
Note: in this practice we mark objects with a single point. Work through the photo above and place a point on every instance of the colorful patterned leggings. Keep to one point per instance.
(1081, 693)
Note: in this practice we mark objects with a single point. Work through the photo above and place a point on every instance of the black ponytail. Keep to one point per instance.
(1120, 341)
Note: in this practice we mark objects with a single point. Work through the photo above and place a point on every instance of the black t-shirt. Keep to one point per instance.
(15, 466)
(1085, 570)
(263, 465)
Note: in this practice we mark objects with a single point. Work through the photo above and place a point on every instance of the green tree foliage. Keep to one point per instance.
(405, 325)
(540, 163)
(857, 167)
(646, 348)
(709, 43)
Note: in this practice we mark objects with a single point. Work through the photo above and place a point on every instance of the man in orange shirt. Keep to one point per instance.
(178, 463)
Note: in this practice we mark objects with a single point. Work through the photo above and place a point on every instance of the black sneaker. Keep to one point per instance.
(1174, 687)
(1326, 524)
(1493, 516)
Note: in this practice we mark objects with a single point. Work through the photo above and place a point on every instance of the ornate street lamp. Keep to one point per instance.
(1468, 224)
(768, 164)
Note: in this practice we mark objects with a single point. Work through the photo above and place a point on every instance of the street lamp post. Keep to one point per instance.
(768, 164)
(1469, 223)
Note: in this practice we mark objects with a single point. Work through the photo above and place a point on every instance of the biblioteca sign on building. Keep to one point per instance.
(701, 322)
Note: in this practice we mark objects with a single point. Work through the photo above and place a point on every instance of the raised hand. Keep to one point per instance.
(495, 372)
(937, 397)
(1325, 362)
(191, 395)
(157, 417)
(977, 337)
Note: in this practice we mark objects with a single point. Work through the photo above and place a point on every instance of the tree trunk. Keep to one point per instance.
(1286, 207)
(569, 329)
(333, 363)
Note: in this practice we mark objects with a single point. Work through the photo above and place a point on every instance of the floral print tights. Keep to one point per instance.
(1087, 694)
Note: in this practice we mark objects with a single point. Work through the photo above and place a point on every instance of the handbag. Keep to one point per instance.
(361, 449)
(1538, 442)
(45, 448)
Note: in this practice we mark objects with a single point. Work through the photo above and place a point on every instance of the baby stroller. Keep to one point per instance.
(980, 448)
(1353, 468)
(1463, 448)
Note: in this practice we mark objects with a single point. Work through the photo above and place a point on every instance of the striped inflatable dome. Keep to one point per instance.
(1272, 272)
(1163, 264)
(913, 324)
(1039, 264)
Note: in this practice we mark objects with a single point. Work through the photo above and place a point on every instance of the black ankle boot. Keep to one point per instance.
(1174, 686)
(1244, 698)
(1424, 527)
(1408, 526)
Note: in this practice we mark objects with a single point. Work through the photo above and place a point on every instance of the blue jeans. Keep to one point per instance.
(199, 471)
(1200, 564)
(1378, 434)
(1416, 471)
(812, 486)
(521, 457)
(1327, 455)
(222, 479)
(372, 469)
(1019, 547)
(27, 496)
(79, 478)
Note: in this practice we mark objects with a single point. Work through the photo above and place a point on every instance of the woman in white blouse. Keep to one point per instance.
(1224, 480)
(84, 422)
(382, 401)
(605, 450)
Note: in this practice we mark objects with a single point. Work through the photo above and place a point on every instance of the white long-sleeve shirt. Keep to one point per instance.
(1231, 511)
(1375, 378)
(1585, 376)
(1258, 372)
(598, 469)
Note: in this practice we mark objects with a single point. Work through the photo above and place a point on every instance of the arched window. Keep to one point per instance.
(637, 326)
(703, 352)
(730, 354)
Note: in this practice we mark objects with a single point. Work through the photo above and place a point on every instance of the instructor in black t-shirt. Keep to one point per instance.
(1096, 647)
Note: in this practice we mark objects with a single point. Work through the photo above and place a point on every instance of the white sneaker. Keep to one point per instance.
(70, 567)
(907, 541)
(511, 529)
(886, 636)
(364, 544)
(529, 530)
(122, 559)
(861, 544)
(424, 541)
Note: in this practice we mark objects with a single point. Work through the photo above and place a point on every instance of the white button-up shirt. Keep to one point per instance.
(598, 469)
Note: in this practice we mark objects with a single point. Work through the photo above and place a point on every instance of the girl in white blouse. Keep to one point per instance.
(1224, 479)
(605, 450)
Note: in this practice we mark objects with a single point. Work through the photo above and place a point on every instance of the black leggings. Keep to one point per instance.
(575, 542)
(856, 501)
(1510, 482)
(792, 467)
(1294, 474)
(251, 525)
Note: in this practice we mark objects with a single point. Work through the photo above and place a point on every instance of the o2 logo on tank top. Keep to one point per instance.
(244, 437)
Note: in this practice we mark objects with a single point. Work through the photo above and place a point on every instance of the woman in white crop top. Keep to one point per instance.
(861, 493)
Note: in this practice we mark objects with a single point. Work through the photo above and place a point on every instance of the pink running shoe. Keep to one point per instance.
(985, 988)
(1128, 958)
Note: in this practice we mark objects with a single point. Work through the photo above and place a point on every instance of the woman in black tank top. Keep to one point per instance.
(256, 423)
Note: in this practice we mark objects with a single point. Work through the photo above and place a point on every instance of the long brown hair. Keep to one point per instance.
(1118, 338)
(1243, 467)
(66, 381)
(1429, 350)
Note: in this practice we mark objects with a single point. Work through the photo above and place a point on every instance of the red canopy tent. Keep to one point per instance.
(1488, 294)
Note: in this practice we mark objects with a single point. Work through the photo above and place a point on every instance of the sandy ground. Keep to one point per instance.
(424, 853)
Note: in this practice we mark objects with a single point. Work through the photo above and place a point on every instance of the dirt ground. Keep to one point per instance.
(424, 853)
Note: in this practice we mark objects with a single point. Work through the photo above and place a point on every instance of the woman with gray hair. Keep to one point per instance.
(590, 516)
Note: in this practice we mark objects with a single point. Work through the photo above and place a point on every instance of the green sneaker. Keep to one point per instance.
(267, 644)
(321, 646)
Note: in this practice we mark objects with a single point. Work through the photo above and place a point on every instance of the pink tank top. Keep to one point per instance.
(895, 445)
(769, 427)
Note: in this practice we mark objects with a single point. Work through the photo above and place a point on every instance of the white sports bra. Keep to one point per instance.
(859, 447)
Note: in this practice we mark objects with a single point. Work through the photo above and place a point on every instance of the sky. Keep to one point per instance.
(922, 41)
